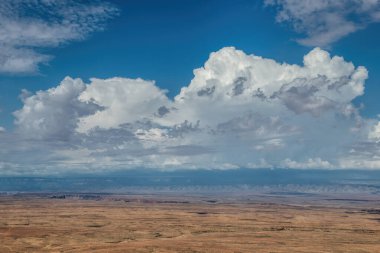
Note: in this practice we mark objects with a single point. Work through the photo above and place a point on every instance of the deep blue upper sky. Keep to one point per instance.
(165, 40)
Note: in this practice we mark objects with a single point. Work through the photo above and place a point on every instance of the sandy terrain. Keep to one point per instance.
(37, 223)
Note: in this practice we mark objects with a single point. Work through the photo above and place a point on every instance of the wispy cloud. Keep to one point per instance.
(326, 21)
(27, 26)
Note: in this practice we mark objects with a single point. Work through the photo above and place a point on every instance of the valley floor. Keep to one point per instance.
(148, 223)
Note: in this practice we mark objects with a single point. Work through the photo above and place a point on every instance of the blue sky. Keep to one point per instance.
(165, 41)
(158, 40)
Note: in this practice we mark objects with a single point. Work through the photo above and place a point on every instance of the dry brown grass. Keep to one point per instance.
(40, 224)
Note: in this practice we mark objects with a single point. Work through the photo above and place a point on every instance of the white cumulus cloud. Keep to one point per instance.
(53, 113)
(125, 101)
(238, 111)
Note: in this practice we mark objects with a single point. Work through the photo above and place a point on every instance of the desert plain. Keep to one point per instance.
(174, 223)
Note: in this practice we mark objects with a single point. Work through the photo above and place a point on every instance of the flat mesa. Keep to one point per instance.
(199, 223)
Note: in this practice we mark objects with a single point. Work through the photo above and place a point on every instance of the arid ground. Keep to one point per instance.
(147, 223)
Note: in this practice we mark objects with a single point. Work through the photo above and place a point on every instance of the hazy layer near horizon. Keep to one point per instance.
(260, 180)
